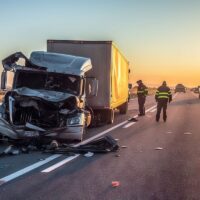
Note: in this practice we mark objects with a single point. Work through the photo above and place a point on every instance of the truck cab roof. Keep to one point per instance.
(51, 62)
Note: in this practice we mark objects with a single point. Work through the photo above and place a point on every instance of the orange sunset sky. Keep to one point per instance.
(161, 39)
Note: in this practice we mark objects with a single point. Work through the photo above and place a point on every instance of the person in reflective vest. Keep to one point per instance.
(163, 96)
(141, 93)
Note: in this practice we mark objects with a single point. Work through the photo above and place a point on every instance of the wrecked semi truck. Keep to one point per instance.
(110, 68)
(47, 98)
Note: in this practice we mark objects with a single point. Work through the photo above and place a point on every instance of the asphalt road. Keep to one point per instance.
(161, 161)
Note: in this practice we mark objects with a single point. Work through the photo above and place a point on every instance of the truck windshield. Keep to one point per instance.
(48, 81)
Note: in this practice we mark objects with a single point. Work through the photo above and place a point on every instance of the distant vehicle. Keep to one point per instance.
(180, 88)
(196, 90)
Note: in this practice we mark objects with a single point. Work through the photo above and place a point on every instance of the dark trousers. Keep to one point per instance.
(141, 101)
(162, 104)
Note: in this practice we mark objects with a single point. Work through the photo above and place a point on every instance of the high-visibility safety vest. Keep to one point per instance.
(163, 92)
(142, 90)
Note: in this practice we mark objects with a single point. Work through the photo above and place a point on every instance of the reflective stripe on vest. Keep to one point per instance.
(163, 97)
(163, 93)
(141, 91)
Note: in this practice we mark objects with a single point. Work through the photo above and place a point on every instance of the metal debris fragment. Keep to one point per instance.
(132, 119)
(115, 183)
(158, 148)
(88, 154)
(169, 132)
(187, 133)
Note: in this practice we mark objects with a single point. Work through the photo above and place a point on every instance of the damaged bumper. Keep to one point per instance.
(9, 132)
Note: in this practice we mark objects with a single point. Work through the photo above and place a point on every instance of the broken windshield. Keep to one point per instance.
(48, 81)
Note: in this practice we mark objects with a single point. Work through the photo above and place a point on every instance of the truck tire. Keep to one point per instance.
(123, 109)
(110, 116)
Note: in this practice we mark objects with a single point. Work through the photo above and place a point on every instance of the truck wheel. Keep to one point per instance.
(123, 109)
(111, 116)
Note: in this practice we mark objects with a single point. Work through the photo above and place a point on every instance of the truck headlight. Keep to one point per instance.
(77, 120)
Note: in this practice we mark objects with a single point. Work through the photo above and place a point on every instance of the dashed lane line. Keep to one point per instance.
(153, 110)
(27, 169)
(55, 166)
(59, 164)
(129, 124)
(50, 158)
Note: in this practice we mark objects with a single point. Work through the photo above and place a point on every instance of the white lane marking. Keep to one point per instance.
(40, 163)
(27, 169)
(153, 107)
(153, 110)
(128, 125)
(131, 123)
(53, 167)
(169, 132)
(101, 134)
(187, 133)
(59, 164)
(49, 169)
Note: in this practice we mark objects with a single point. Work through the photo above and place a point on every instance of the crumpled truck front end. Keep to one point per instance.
(27, 113)
(47, 99)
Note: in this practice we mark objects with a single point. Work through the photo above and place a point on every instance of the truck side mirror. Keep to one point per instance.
(3, 80)
(92, 87)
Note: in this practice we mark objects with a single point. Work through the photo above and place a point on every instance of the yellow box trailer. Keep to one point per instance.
(109, 67)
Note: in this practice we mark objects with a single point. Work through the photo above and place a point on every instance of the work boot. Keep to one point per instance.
(157, 118)
(140, 114)
(165, 118)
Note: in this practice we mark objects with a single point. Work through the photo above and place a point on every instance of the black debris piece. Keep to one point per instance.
(102, 145)
(132, 119)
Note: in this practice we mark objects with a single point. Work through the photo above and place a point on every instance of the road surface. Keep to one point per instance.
(161, 161)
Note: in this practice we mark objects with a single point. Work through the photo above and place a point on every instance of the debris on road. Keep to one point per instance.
(124, 147)
(115, 183)
(158, 148)
(117, 155)
(88, 154)
(10, 150)
(104, 144)
(187, 133)
(116, 139)
(54, 144)
(169, 132)
(133, 119)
